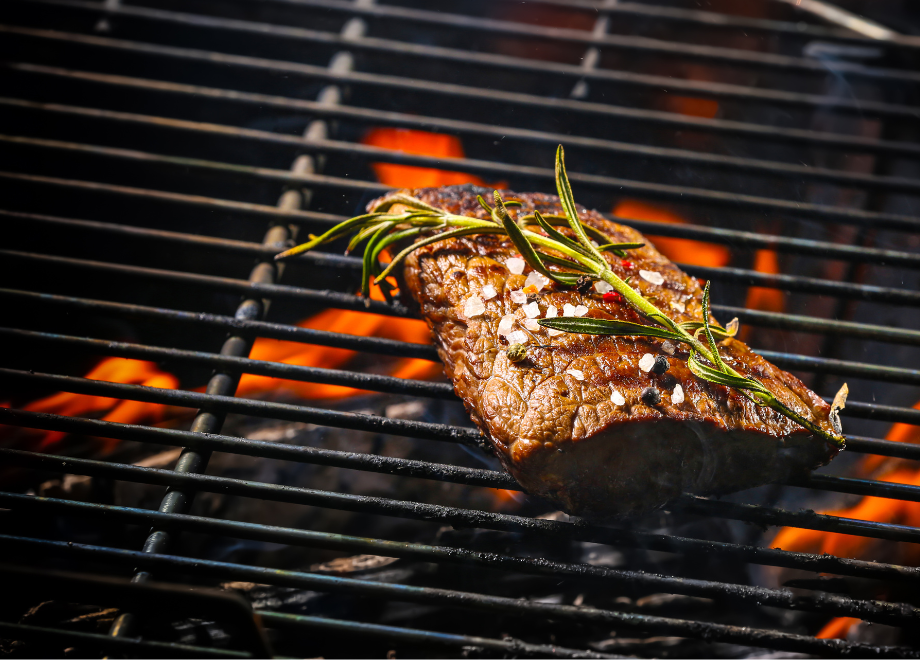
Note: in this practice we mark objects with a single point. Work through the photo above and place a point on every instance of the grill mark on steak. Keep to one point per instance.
(563, 437)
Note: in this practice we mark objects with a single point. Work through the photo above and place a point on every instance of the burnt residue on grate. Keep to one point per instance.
(156, 155)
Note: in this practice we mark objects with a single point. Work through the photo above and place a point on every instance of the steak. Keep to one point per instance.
(602, 426)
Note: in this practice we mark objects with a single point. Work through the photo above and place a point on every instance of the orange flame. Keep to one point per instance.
(875, 509)
(424, 144)
(115, 370)
(677, 249)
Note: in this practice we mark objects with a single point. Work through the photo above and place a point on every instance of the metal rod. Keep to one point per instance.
(453, 56)
(377, 116)
(254, 407)
(254, 328)
(645, 624)
(634, 581)
(425, 352)
(742, 240)
(506, 645)
(236, 365)
(141, 648)
(381, 383)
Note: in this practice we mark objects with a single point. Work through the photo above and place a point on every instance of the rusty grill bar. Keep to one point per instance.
(155, 76)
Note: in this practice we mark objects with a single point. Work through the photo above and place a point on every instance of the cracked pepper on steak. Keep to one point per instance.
(551, 419)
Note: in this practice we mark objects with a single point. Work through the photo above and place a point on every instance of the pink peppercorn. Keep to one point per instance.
(612, 296)
(627, 264)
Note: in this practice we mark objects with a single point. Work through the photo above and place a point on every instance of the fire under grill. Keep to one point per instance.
(156, 155)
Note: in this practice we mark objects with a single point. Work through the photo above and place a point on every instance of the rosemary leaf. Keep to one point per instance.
(589, 326)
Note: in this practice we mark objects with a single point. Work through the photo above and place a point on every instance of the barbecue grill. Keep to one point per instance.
(154, 151)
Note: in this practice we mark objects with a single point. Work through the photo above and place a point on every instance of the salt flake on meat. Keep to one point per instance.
(552, 312)
(488, 292)
(518, 297)
(616, 397)
(568, 310)
(581, 310)
(647, 362)
(576, 374)
(603, 287)
(518, 337)
(532, 325)
(677, 396)
(532, 310)
(506, 324)
(537, 280)
(678, 306)
(652, 276)
(473, 307)
(515, 265)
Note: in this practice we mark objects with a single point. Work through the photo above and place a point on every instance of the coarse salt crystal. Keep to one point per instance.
(515, 265)
(488, 292)
(677, 396)
(532, 325)
(668, 347)
(568, 310)
(576, 374)
(678, 307)
(505, 325)
(532, 310)
(603, 287)
(518, 297)
(552, 332)
(473, 307)
(518, 337)
(552, 312)
(536, 279)
(652, 276)
(581, 310)
(647, 362)
(616, 397)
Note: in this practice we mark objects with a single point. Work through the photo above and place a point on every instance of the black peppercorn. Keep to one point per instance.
(661, 365)
(584, 284)
(650, 396)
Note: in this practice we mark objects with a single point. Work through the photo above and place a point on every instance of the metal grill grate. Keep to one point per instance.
(145, 144)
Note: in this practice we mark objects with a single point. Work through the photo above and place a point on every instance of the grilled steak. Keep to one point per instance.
(602, 426)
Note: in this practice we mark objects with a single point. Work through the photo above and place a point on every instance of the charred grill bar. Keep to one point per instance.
(149, 152)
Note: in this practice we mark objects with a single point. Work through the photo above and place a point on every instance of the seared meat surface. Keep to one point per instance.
(602, 426)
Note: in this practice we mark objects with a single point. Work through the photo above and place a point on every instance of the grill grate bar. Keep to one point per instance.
(788, 64)
(389, 384)
(377, 46)
(351, 149)
(507, 645)
(450, 598)
(681, 156)
(350, 301)
(375, 116)
(877, 611)
(405, 467)
(655, 117)
(237, 365)
(426, 352)
(738, 240)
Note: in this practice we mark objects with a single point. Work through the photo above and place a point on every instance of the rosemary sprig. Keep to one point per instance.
(425, 224)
